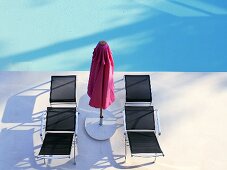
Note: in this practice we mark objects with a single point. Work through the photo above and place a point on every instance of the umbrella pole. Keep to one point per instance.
(101, 117)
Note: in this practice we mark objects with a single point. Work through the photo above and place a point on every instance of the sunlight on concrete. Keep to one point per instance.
(192, 115)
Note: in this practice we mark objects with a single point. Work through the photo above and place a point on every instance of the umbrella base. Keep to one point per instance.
(100, 132)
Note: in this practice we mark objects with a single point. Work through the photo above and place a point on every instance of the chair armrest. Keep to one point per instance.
(76, 130)
(42, 124)
(157, 122)
(125, 131)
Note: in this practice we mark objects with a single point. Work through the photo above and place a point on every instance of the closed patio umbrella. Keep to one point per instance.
(101, 84)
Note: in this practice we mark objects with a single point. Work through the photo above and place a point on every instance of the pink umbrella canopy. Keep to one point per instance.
(101, 84)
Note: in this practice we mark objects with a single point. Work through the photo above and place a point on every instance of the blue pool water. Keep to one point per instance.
(144, 35)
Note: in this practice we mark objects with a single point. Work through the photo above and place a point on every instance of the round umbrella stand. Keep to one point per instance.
(100, 132)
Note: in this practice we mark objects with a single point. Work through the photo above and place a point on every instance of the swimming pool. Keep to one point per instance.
(144, 35)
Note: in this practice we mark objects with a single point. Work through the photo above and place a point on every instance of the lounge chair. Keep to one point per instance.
(60, 133)
(141, 120)
(63, 89)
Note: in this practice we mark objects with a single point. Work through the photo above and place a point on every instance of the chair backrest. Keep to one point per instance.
(63, 89)
(140, 118)
(138, 88)
(61, 119)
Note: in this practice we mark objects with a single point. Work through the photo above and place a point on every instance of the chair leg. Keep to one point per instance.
(125, 148)
(155, 158)
(75, 152)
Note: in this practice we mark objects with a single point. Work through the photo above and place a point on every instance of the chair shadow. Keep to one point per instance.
(17, 146)
(19, 108)
(17, 149)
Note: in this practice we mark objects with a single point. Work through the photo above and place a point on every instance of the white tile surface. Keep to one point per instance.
(192, 108)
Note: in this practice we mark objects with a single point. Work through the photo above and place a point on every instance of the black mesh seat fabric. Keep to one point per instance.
(143, 142)
(139, 118)
(57, 141)
(138, 88)
(57, 144)
(60, 119)
(63, 89)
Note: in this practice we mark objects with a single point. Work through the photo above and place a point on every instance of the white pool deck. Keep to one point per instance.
(193, 115)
